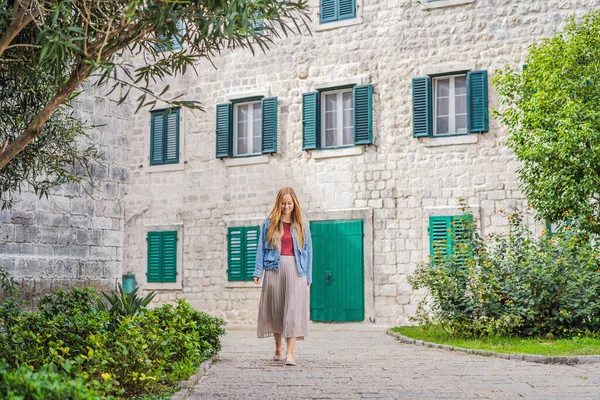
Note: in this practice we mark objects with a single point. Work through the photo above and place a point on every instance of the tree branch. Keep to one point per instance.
(34, 129)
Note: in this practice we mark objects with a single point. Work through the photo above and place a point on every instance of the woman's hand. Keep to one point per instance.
(256, 280)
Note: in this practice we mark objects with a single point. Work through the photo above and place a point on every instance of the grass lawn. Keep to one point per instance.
(576, 346)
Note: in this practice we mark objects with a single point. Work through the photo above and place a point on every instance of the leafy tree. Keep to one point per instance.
(552, 112)
(49, 48)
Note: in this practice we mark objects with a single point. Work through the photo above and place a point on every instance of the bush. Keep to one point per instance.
(59, 330)
(156, 348)
(46, 384)
(72, 336)
(514, 283)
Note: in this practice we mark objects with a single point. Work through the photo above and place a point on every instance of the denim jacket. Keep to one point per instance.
(267, 258)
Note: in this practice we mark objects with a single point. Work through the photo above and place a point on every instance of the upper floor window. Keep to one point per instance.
(450, 104)
(247, 127)
(164, 137)
(337, 118)
(336, 10)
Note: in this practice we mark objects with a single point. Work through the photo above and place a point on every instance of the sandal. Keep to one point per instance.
(278, 357)
(289, 361)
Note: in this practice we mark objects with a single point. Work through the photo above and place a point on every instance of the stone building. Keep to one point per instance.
(379, 118)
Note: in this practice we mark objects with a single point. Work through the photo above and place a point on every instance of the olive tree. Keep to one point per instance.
(49, 48)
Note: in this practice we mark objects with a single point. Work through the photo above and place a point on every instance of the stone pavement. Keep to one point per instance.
(358, 361)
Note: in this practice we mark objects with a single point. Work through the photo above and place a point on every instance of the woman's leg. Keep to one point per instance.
(291, 342)
(278, 345)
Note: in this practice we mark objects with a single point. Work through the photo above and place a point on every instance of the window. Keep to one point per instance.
(162, 256)
(337, 118)
(445, 234)
(450, 104)
(175, 43)
(242, 243)
(336, 10)
(164, 137)
(247, 127)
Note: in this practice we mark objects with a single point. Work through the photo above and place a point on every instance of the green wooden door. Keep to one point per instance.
(337, 291)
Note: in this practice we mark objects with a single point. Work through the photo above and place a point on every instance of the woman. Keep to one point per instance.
(284, 255)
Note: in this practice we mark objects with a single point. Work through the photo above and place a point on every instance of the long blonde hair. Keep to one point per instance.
(275, 231)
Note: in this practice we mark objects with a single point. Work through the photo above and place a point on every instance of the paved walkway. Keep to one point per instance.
(356, 361)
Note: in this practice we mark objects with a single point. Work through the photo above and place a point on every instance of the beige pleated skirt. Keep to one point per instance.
(283, 305)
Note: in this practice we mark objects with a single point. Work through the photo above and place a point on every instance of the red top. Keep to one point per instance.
(287, 243)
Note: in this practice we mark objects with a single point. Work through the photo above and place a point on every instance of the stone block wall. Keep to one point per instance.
(403, 180)
(72, 239)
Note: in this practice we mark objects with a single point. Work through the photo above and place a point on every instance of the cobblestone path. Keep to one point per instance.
(357, 361)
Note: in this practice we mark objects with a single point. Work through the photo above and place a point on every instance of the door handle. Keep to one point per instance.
(328, 278)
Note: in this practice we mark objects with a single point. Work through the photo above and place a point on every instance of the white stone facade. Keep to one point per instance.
(399, 179)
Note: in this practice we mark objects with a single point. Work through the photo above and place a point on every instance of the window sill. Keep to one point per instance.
(450, 141)
(242, 285)
(163, 286)
(338, 24)
(335, 153)
(237, 162)
(429, 5)
(165, 167)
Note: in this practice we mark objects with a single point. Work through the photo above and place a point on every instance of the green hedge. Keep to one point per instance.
(80, 344)
(514, 283)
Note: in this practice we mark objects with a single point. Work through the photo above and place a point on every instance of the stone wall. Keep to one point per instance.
(72, 239)
(401, 179)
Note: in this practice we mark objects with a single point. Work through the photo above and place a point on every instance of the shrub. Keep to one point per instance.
(116, 355)
(58, 331)
(514, 283)
(48, 383)
(156, 348)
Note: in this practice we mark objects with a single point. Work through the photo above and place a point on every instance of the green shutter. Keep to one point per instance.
(250, 245)
(347, 9)
(363, 114)
(171, 136)
(155, 256)
(157, 138)
(169, 270)
(440, 243)
(477, 101)
(329, 10)
(460, 236)
(422, 110)
(310, 120)
(235, 254)
(162, 256)
(224, 129)
(269, 125)
(445, 233)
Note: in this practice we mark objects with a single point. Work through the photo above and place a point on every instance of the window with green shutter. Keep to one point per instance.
(175, 43)
(446, 233)
(162, 256)
(337, 10)
(241, 252)
(337, 117)
(247, 127)
(164, 137)
(450, 104)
